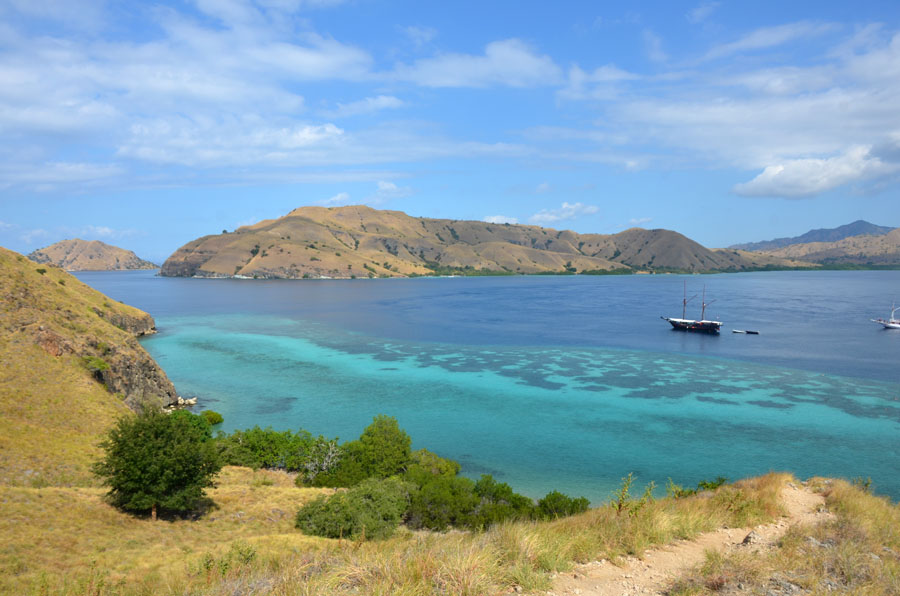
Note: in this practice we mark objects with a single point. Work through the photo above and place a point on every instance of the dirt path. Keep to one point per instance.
(654, 572)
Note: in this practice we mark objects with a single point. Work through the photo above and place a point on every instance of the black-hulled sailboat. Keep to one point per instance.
(701, 326)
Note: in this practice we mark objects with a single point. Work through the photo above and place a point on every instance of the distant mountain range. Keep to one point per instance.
(857, 228)
(358, 241)
(93, 255)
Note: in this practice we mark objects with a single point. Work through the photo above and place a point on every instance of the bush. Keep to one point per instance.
(383, 450)
(212, 417)
(370, 511)
(198, 422)
(156, 460)
(265, 448)
(443, 501)
(557, 504)
(499, 503)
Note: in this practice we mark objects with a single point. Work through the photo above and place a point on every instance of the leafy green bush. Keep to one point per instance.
(383, 450)
(95, 364)
(212, 417)
(199, 422)
(371, 510)
(557, 504)
(265, 448)
(157, 460)
(498, 503)
(443, 501)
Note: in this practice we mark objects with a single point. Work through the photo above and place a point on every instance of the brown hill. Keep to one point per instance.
(71, 364)
(358, 241)
(856, 250)
(93, 255)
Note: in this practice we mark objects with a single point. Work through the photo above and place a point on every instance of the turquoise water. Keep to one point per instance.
(541, 419)
(550, 383)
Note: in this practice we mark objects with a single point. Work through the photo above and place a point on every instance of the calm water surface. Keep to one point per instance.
(562, 383)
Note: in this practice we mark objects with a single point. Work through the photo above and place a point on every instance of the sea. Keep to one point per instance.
(563, 383)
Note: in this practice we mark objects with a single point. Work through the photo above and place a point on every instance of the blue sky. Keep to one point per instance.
(148, 124)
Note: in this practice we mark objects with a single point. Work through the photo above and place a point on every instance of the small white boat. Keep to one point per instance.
(891, 322)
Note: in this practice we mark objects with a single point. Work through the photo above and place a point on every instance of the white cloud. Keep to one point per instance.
(701, 12)
(604, 83)
(387, 191)
(800, 178)
(768, 37)
(368, 105)
(500, 219)
(566, 211)
(543, 187)
(639, 221)
(420, 36)
(29, 236)
(653, 46)
(340, 198)
(6, 226)
(508, 62)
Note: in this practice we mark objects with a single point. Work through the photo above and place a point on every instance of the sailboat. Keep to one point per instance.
(702, 326)
(891, 322)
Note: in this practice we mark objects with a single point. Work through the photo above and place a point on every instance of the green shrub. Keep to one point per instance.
(443, 501)
(383, 450)
(265, 448)
(94, 364)
(198, 422)
(557, 504)
(370, 511)
(212, 417)
(499, 503)
(41, 270)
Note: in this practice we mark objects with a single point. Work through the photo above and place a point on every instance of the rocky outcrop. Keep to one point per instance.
(47, 307)
(83, 255)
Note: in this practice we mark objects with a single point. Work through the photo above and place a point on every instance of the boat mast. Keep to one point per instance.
(705, 304)
(685, 300)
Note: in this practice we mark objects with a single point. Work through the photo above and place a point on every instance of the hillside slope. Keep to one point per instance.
(857, 250)
(857, 228)
(71, 364)
(358, 241)
(83, 255)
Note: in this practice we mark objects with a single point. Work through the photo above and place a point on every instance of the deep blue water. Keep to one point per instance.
(562, 383)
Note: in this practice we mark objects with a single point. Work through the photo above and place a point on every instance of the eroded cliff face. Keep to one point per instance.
(44, 306)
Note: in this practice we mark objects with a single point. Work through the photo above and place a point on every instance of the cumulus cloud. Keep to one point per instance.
(500, 219)
(566, 211)
(800, 178)
(367, 105)
(509, 62)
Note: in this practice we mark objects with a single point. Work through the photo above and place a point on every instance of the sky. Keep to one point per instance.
(149, 124)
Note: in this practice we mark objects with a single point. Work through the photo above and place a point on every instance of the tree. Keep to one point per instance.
(371, 510)
(384, 448)
(157, 460)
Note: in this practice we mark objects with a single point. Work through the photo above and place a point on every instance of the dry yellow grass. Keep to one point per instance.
(68, 541)
(858, 552)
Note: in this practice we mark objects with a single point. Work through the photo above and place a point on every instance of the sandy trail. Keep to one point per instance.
(653, 573)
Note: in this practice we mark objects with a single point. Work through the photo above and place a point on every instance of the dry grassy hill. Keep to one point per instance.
(83, 255)
(71, 364)
(857, 250)
(357, 241)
